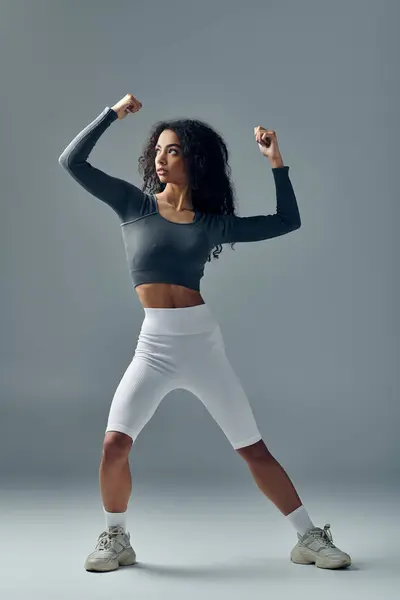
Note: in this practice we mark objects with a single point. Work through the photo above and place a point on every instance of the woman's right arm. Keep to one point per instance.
(115, 192)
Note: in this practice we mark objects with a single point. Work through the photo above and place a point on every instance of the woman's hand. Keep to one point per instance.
(268, 145)
(128, 104)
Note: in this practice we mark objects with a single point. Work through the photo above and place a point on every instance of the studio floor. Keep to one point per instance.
(195, 541)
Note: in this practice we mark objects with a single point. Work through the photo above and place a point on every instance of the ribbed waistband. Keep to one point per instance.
(178, 321)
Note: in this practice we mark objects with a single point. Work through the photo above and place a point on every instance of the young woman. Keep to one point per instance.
(169, 232)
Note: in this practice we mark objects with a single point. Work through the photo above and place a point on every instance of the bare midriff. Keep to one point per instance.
(166, 295)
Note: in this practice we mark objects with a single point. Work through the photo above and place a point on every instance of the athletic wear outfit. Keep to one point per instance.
(177, 347)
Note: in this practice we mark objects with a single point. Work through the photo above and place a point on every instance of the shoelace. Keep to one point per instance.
(106, 538)
(324, 536)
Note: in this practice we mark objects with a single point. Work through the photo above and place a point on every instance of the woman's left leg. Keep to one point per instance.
(212, 379)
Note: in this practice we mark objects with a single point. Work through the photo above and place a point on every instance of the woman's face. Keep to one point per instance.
(169, 157)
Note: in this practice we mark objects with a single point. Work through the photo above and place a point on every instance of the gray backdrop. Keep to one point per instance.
(310, 319)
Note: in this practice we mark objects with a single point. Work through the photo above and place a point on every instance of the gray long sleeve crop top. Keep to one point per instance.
(160, 250)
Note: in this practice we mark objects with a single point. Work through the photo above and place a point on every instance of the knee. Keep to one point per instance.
(255, 452)
(116, 445)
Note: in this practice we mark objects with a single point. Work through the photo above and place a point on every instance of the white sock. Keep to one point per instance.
(300, 520)
(114, 519)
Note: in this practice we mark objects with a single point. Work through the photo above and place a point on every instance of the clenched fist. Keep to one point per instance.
(128, 104)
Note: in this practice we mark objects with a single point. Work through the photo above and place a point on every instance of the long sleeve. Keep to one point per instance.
(120, 195)
(225, 229)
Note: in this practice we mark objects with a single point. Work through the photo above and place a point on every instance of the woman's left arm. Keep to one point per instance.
(226, 229)
(231, 228)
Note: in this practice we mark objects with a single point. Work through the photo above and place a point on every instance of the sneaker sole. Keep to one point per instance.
(99, 567)
(301, 558)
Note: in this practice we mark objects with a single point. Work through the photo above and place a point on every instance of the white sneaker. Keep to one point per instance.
(316, 546)
(113, 549)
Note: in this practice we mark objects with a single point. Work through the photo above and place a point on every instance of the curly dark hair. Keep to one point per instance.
(207, 159)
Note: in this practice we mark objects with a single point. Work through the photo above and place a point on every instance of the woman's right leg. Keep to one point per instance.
(148, 378)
